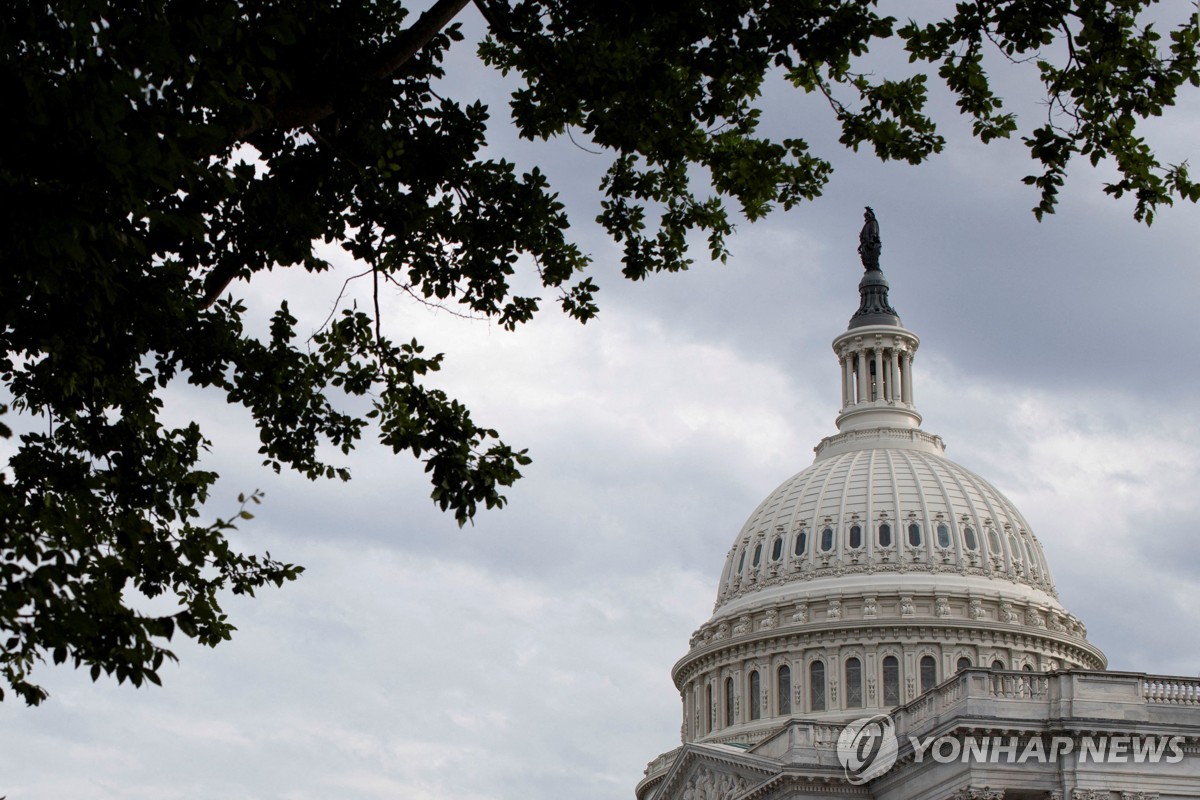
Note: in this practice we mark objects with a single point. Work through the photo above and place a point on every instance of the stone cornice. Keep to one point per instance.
(837, 633)
(880, 437)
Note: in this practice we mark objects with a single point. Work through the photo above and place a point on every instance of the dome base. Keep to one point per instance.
(868, 438)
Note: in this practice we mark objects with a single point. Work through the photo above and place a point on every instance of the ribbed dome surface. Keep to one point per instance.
(882, 506)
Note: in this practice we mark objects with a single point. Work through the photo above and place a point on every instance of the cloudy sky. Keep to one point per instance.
(528, 655)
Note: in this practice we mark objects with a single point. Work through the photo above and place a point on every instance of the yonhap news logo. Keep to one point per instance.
(868, 747)
(1044, 749)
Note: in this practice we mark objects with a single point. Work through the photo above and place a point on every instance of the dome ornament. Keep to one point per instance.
(874, 308)
(869, 243)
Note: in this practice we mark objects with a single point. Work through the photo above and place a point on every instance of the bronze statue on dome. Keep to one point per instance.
(869, 244)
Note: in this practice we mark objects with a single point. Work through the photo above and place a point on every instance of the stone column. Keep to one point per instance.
(847, 380)
(864, 378)
(906, 377)
(893, 376)
(689, 712)
(879, 374)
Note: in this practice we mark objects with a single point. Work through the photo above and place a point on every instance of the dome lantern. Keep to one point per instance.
(876, 352)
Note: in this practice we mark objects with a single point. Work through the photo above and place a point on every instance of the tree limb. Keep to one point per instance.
(393, 56)
(306, 112)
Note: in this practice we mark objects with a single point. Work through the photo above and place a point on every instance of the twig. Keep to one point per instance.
(337, 302)
(581, 147)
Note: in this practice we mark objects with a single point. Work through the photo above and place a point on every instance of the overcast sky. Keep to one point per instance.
(528, 655)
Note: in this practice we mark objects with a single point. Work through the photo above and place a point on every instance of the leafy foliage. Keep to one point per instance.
(1115, 72)
(159, 152)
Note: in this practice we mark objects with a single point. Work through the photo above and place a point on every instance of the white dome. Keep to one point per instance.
(878, 502)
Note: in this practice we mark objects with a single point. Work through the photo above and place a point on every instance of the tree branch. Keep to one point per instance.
(306, 112)
(295, 115)
(393, 56)
(489, 16)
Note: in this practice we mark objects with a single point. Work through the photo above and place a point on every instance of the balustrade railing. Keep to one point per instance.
(1171, 691)
(1019, 685)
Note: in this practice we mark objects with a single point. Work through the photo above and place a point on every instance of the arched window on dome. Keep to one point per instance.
(969, 538)
(741, 561)
(963, 663)
(1026, 668)
(997, 664)
(891, 681)
(928, 673)
(943, 536)
(801, 542)
(885, 535)
(816, 686)
(757, 555)
(777, 548)
(826, 539)
(729, 702)
(711, 713)
(856, 537)
(783, 690)
(854, 692)
(994, 543)
(1029, 552)
(755, 695)
(1014, 547)
(914, 534)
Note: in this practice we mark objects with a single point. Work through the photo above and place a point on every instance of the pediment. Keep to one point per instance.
(714, 772)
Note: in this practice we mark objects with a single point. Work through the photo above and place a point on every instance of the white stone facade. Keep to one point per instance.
(1105, 730)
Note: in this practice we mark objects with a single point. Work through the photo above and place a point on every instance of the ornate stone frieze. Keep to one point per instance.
(709, 784)
(801, 626)
(835, 609)
(977, 793)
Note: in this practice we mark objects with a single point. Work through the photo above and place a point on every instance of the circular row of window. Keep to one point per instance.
(817, 699)
(943, 538)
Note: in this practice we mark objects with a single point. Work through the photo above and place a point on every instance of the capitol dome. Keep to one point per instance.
(876, 573)
(884, 506)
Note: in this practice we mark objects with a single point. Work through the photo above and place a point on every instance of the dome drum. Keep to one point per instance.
(901, 645)
(837, 675)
